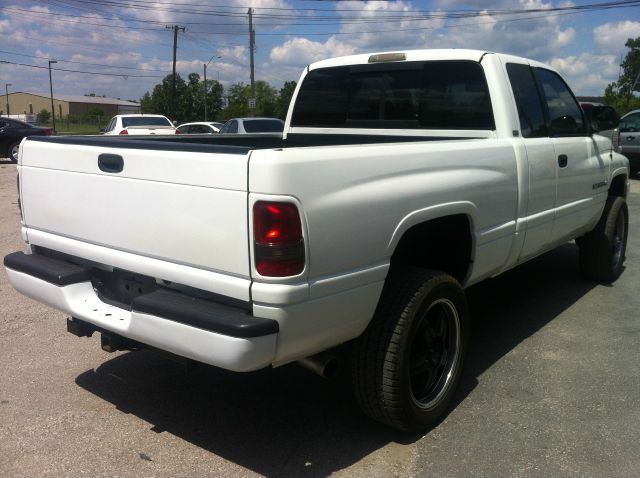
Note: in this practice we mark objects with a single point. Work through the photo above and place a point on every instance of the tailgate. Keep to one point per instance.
(187, 205)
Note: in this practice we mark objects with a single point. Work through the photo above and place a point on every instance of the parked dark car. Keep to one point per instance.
(11, 133)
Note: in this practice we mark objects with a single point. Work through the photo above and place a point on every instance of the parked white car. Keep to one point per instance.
(140, 124)
(202, 127)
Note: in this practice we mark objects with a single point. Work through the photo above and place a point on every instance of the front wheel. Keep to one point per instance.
(602, 251)
(407, 364)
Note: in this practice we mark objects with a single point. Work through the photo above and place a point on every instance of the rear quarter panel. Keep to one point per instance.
(359, 200)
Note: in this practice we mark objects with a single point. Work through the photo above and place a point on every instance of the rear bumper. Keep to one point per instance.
(212, 333)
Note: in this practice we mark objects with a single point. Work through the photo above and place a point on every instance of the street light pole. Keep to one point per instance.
(204, 89)
(6, 89)
(53, 111)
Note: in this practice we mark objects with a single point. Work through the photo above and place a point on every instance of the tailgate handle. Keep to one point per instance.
(110, 163)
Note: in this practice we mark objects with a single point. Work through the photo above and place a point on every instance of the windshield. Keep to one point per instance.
(263, 126)
(145, 121)
(402, 95)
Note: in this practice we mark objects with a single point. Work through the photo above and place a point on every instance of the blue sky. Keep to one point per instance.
(127, 46)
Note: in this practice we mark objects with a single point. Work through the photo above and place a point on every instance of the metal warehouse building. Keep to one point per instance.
(32, 103)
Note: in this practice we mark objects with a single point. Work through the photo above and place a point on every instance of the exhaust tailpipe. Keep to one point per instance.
(325, 364)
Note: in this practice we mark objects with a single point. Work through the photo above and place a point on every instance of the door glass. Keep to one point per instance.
(565, 114)
(528, 101)
(233, 127)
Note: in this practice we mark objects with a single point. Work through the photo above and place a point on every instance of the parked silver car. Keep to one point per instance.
(630, 139)
(252, 125)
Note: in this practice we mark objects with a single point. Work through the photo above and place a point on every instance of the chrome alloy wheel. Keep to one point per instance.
(434, 353)
(617, 244)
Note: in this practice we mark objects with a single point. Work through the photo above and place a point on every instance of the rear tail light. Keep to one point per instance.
(178, 132)
(278, 241)
(48, 132)
(124, 131)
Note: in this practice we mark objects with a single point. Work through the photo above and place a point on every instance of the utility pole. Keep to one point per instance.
(205, 84)
(53, 111)
(175, 29)
(6, 89)
(252, 44)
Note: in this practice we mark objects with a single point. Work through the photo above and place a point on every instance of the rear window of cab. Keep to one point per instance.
(402, 95)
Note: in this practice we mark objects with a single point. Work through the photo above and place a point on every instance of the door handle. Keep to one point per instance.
(110, 163)
(563, 160)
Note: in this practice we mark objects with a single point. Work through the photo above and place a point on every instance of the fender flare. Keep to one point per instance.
(419, 216)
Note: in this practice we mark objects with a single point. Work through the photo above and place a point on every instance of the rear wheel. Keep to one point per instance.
(602, 251)
(14, 149)
(407, 364)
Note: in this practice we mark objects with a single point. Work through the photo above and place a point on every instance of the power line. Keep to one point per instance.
(80, 62)
(124, 75)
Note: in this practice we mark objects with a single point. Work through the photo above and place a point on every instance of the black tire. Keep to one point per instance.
(407, 364)
(602, 251)
(12, 152)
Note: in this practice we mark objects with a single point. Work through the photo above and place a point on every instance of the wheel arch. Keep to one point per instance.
(439, 237)
(619, 183)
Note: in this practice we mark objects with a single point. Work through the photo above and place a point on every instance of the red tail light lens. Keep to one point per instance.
(278, 241)
(48, 132)
(124, 131)
(178, 132)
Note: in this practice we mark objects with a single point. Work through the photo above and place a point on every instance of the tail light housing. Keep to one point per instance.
(178, 132)
(48, 132)
(278, 243)
(124, 131)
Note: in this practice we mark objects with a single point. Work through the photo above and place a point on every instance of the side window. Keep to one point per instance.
(528, 101)
(111, 125)
(233, 127)
(630, 124)
(565, 114)
(224, 129)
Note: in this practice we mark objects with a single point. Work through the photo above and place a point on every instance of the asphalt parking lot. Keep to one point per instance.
(552, 388)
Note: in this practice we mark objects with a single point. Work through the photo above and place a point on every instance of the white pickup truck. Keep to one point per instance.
(400, 179)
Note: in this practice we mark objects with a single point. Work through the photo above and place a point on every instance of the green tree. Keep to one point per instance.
(43, 116)
(161, 101)
(620, 94)
(284, 98)
(238, 96)
(238, 99)
(189, 99)
(266, 99)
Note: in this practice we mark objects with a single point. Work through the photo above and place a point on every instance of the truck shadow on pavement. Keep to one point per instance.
(288, 422)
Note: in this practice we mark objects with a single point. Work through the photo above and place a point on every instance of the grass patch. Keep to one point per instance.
(64, 129)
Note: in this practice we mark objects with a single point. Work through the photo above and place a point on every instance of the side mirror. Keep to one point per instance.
(602, 118)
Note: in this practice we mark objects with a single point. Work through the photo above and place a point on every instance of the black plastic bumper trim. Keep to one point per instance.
(203, 314)
(47, 269)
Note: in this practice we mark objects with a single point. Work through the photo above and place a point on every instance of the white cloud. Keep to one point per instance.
(302, 51)
(588, 74)
(614, 35)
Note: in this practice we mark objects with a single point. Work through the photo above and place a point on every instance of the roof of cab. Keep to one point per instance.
(417, 55)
